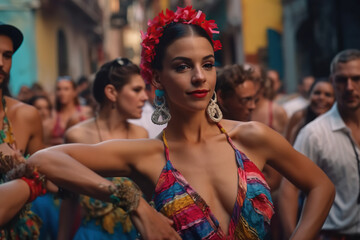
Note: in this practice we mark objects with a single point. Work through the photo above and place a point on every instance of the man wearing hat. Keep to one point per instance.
(20, 130)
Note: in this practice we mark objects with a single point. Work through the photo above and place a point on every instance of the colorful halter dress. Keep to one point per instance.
(25, 225)
(192, 217)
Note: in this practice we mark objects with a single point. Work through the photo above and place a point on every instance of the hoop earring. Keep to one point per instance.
(213, 110)
(161, 114)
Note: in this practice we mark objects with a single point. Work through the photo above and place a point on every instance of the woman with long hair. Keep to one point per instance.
(68, 110)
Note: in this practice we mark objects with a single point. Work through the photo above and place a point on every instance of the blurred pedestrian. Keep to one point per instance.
(120, 92)
(299, 100)
(277, 95)
(145, 121)
(43, 105)
(321, 100)
(68, 110)
(332, 141)
(236, 92)
(273, 115)
(25, 94)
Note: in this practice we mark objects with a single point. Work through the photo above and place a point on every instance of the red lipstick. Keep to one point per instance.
(199, 93)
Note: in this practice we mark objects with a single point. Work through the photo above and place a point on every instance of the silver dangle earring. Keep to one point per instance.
(213, 110)
(161, 114)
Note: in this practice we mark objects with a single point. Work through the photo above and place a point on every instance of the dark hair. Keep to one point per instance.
(310, 114)
(172, 32)
(81, 80)
(265, 83)
(344, 57)
(73, 84)
(229, 77)
(318, 80)
(35, 98)
(116, 73)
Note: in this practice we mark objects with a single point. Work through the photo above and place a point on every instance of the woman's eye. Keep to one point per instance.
(208, 66)
(181, 68)
(328, 95)
(137, 89)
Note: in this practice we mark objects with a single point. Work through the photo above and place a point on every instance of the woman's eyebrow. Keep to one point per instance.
(188, 59)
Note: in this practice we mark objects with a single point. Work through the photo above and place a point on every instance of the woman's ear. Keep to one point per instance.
(155, 81)
(110, 92)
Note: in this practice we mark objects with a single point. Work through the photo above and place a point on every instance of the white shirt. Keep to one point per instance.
(295, 105)
(326, 141)
(145, 121)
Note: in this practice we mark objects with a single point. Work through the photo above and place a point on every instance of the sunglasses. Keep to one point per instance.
(60, 78)
(120, 62)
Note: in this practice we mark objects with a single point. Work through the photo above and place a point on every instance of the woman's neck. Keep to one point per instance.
(190, 127)
(113, 120)
(68, 108)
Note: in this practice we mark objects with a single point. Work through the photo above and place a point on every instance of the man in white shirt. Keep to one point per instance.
(332, 141)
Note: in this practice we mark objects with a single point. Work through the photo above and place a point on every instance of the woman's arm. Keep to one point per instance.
(288, 207)
(270, 147)
(308, 177)
(63, 165)
(13, 196)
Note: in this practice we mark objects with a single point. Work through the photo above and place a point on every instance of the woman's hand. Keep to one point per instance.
(152, 224)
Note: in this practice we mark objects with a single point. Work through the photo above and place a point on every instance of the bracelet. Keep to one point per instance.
(36, 185)
(125, 196)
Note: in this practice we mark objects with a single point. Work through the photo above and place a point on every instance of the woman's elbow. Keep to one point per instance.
(40, 160)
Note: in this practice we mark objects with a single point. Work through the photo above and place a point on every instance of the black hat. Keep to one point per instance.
(12, 32)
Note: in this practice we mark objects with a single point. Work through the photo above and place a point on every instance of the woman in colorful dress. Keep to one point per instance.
(205, 171)
(120, 92)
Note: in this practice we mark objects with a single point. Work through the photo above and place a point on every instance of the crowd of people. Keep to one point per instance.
(177, 148)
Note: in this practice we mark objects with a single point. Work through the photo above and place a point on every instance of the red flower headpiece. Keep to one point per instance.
(156, 27)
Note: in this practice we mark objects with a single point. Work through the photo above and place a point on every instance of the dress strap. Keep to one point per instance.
(227, 136)
(239, 154)
(166, 145)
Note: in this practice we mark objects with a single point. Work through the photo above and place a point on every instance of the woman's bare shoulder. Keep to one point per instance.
(250, 133)
(139, 131)
(82, 132)
(237, 127)
(18, 108)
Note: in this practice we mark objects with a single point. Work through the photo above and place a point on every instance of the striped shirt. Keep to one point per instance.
(327, 142)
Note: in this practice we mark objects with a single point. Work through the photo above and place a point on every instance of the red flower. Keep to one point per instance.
(186, 15)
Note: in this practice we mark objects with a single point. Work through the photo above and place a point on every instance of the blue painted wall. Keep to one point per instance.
(21, 14)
